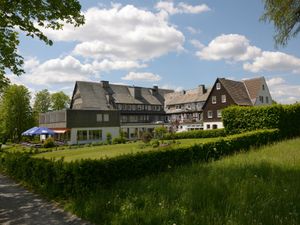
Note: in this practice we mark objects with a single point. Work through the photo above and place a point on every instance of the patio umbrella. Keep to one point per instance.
(38, 131)
(29, 132)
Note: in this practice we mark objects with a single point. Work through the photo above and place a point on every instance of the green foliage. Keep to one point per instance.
(59, 100)
(285, 16)
(196, 134)
(42, 102)
(159, 132)
(108, 138)
(284, 117)
(155, 143)
(146, 137)
(30, 16)
(59, 179)
(119, 140)
(49, 143)
(16, 113)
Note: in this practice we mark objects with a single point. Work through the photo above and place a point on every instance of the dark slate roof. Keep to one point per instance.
(97, 95)
(253, 86)
(237, 90)
(187, 96)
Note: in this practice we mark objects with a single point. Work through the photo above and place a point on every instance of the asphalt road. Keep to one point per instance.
(19, 206)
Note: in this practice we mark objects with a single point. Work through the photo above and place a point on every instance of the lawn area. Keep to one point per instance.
(97, 152)
(258, 187)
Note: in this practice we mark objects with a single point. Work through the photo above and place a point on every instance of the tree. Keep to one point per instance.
(285, 15)
(30, 16)
(59, 100)
(160, 131)
(42, 102)
(16, 112)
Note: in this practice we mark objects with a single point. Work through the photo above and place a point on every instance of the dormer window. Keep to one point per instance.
(218, 86)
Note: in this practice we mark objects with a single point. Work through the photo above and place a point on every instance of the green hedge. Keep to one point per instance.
(196, 134)
(286, 118)
(60, 179)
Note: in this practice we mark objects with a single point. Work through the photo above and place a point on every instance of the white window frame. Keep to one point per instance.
(219, 113)
(214, 99)
(209, 114)
(223, 97)
(218, 86)
(106, 117)
(99, 118)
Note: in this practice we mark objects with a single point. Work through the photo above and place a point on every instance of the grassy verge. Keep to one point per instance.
(109, 151)
(257, 187)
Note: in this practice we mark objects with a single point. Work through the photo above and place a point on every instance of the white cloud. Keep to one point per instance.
(274, 61)
(197, 44)
(282, 92)
(123, 33)
(233, 47)
(55, 72)
(142, 76)
(172, 87)
(193, 30)
(169, 7)
(107, 65)
(31, 63)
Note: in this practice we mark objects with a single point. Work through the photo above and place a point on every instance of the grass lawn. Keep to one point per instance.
(97, 152)
(258, 187)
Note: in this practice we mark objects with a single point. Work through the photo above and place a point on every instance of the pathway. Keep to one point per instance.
(19, 206)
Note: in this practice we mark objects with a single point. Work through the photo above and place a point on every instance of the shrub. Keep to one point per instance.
(119, 140)
(108, 138)
(49, 143)
(196, 134)
(154, 143)
(59, 179)
(146, 137)
(159, 132)
(286, 118)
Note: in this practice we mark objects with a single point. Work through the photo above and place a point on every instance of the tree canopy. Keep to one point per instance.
(16, 114)
(59, 100)
(29, 16)
(285, 15)
(42, 102)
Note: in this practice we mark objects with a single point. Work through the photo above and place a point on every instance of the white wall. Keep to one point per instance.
(219, 125)
(113, 130)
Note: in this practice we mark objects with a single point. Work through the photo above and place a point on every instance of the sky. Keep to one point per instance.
(173, 44)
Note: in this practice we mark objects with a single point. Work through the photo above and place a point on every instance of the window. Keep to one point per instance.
(209, 114)
(219, 113)
(267, 99)
(214, 126)
(214, 99)
(95, 134)
(119, 106)
(261, 99)
(99, 118)
(106, 117)
(263, 87)
(218, 86)
(208, 126)
(223, 98)
(123, 119)
(82, 135)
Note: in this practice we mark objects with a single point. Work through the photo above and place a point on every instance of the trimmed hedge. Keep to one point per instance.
(286, 118)
(196, 134)
(60, 179)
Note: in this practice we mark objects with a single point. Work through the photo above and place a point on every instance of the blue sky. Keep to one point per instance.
(173, 44)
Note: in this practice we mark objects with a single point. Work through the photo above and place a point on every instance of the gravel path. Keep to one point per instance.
(19, 206)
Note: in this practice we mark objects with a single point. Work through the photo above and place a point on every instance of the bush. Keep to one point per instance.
(286, 118)
(119, 140)
(146, 137)
(108, 138)
(154, 143)
(196, 134)
(59, 179)
(49, 143)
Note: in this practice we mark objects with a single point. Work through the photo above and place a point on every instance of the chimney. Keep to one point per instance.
(201, 89)
(105, 84)
(154, 90)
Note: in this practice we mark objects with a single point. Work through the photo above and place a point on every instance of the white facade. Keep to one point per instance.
(263, 96)
(74, 139)
(189, 127)
(212, 125)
